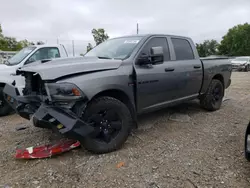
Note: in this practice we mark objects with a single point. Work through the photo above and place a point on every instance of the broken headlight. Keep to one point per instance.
(63, 91)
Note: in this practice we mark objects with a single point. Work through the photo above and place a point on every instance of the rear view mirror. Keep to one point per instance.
(156, 54)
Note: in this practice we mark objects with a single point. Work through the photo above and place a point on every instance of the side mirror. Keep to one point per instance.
(30, 60)
(156, 54)
(144, 60)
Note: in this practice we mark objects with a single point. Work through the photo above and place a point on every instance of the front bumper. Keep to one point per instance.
(48, 115)
(238, 67)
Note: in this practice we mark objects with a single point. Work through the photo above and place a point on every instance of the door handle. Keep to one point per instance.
(169, 69)
(197, 66)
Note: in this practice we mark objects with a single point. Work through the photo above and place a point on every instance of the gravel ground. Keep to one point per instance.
(183, 146)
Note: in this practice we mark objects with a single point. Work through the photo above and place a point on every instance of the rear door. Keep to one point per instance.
(188, 67)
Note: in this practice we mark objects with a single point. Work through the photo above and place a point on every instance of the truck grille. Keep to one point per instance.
(34, 85)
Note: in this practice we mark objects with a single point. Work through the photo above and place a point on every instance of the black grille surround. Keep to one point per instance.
(34, 85)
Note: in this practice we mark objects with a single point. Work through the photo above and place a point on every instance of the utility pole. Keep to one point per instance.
(57, 40)
(137, 28)
(73, 45)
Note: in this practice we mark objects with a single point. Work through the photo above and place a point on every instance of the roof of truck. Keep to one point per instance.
(154, 34)
(47, 45)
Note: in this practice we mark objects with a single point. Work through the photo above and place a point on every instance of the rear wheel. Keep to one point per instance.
(212, 99)
(112, 121)
(5, 108)
(247, 68)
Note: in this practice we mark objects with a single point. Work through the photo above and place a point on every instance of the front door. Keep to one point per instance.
(156, 84)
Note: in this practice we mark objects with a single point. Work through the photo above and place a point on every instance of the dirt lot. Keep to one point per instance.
(178, 147)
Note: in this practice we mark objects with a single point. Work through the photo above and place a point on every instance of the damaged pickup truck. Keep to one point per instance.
(96, 98)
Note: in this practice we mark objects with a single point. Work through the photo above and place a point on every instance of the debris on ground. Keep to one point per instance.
(120, 164)
(179, 117)
(226, 99)
(47, 150)
(20, 128)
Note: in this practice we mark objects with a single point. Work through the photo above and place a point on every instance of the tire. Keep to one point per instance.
(247, 68)
(113, 123)
(5, 108)
(212, 99)
(247, 143)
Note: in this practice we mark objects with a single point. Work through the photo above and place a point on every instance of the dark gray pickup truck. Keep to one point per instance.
(96, 98)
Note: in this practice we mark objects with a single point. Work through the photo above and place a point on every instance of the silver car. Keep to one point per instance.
(241, 63)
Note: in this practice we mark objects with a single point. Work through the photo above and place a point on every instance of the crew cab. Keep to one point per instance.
(26, 57)
(96, 98)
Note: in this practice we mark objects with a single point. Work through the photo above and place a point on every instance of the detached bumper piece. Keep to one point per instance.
(47, 115)
(63, 120)
(46, 151)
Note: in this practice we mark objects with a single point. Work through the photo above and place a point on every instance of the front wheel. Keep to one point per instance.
(112, 121)
(212, 99)
(247, 143)
(5, 108)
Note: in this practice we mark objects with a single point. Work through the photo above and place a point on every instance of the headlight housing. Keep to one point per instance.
(63, 91)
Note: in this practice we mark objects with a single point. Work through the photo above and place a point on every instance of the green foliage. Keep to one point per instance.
(99, 35)
(40, 43)
(10, 43)
(89, 47)
(207, 48)
(237, 41)
(1, 35)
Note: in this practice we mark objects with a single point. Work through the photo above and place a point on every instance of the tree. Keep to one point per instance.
(23, 43)
(10, 43)
(237, 41)
(1, 35)
(89, 47)
(99, 35)
(207, 48)
(40, 43)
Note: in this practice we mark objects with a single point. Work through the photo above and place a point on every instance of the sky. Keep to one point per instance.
(67, 20)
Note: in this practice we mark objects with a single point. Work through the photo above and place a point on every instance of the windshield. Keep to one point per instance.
(17, 58)
(119, 48)
(242, 59)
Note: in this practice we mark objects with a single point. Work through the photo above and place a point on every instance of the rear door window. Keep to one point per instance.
(183, 49)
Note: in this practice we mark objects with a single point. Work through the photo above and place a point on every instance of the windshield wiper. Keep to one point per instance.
(103, 57)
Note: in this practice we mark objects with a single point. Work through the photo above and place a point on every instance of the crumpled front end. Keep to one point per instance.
(49, 105)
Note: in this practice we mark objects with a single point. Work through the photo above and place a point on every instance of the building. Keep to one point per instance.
(4, 55)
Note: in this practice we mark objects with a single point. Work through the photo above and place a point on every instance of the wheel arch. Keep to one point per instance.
(220, 78)
(2, 84)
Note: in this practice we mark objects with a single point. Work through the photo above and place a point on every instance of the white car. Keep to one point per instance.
(241, 63)
(26, 56)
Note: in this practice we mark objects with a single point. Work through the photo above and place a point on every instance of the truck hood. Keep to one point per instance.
(57, 68)
(4, 69)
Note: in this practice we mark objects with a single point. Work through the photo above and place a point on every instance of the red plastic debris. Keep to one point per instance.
(47, 150)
